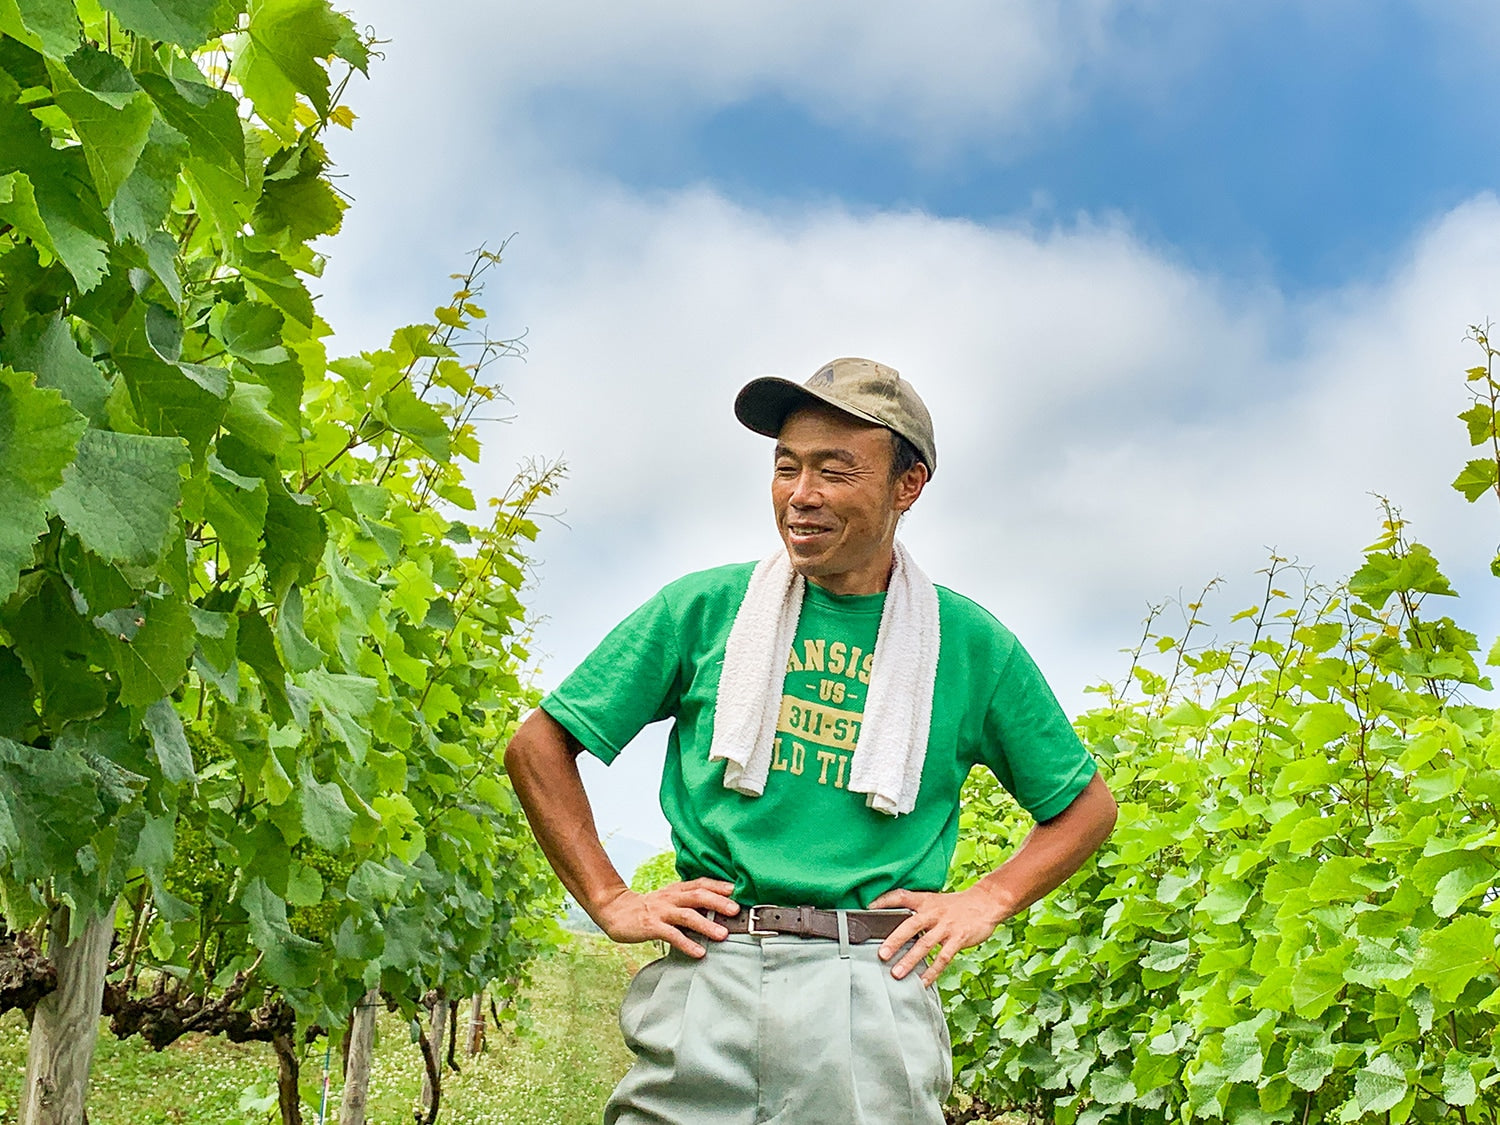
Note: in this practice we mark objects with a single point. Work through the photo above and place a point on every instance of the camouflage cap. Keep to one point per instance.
(868, 390)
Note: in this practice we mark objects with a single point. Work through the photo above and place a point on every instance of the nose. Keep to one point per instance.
(805, 493)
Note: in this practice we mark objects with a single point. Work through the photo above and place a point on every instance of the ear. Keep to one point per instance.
(909, 486)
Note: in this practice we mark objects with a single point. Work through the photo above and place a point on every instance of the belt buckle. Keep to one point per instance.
(750, 921)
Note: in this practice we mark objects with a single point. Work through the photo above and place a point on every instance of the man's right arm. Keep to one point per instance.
(542, 760)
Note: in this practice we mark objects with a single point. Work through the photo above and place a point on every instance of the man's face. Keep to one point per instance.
(836, 505)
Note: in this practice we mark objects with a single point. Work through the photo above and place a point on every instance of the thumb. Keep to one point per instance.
(893, 899)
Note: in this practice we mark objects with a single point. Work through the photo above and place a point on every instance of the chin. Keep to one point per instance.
(809, 567)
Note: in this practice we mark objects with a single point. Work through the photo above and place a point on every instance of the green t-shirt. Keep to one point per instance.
(807, 840)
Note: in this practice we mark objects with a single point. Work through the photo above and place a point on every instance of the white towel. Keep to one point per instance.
(898, 709)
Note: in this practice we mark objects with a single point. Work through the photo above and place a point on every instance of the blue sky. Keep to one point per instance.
(1180, 283)
(1303, 145)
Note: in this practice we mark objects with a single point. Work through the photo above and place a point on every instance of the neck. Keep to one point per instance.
(872, 579)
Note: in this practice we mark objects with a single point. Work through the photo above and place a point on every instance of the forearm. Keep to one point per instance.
(1052, 852)
(542, 760)
(543, 767)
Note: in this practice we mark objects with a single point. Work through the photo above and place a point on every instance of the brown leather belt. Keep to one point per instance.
(809, 921)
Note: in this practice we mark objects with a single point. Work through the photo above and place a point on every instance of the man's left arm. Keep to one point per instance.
(957, 920)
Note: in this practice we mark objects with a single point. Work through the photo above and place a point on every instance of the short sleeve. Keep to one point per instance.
(1031, 746)
(633, 678)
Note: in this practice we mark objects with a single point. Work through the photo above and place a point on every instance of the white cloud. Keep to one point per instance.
(1113, 426)
(926, 73)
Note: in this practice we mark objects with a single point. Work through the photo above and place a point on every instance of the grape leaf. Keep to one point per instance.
(110, 113)
(144, 199)
(1318, 981)
(249, 330)
(326, 816)
(418, 420)
(1459, 1087)
(169, 741)
(1225, 902)
(300, 653)
(207, 117)
(46, 25)
(344, 702)
(44, 345)
(304, 205)
(187, 23)
(169, 397)
(257, 648)
(236, 508)
(279, 56)
(359, 595)
(1380, 1085)
(1309, 1065)
(220, 195)
(279, 284)
(152, 661)
(1476, 478)
(39, 433)
(18, 208)
(1461, 884)
(290, 959)
(249, 419)
(1453, 955)
(120, 494)
(49, 807)
(1166, 957)
(62, 193)
(294, 531)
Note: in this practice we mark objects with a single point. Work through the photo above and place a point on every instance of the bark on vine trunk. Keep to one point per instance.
(476, 1024)
(66, 1024)
(288, 1096)
(452, 1037)
(439, 1028)
(360, 1049)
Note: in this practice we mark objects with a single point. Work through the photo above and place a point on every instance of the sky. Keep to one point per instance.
(1181, 284)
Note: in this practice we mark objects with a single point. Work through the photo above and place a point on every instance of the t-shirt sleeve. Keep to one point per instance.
(631, 679)
(1031, 745)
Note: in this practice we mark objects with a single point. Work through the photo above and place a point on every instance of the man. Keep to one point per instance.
(812, 873)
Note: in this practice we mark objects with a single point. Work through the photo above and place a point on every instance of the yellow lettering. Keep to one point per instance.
(853, 663)
(831, 691)
(777, 761)
(827, 757)
(792, 663)
(864, 668)
(836, 653)
(799, 758)
(821, 722)
(812, 660)
(843, 761)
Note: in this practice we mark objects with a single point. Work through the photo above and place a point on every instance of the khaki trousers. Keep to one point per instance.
(781, 1031)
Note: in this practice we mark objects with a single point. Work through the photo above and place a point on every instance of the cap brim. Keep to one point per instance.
(763, 404)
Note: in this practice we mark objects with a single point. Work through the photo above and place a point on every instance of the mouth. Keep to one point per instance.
(807, 534)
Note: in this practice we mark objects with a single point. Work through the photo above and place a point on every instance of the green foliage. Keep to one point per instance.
(655, 873)
(258, 650)
(1296, 918)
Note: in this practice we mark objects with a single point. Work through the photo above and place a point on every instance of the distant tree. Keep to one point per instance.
(655, 873)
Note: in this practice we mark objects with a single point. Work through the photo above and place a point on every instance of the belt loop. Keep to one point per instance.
(843, 917)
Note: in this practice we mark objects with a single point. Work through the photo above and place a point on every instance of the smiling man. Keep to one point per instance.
(827, 704)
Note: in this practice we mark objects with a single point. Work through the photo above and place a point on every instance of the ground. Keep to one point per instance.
(557, 1071)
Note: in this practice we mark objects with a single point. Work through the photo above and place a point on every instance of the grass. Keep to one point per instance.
(558, 1073)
